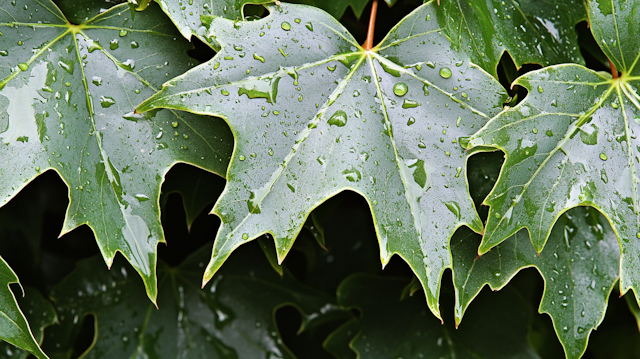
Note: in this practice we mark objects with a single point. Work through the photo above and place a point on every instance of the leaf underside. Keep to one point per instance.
(314, 114)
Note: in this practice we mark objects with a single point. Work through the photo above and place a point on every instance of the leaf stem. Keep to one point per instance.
(368, 44)
(614, 71)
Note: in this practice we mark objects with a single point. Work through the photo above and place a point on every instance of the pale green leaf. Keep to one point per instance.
(314, 114)
(67, 100)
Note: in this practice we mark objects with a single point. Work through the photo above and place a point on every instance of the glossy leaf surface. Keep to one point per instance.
(38, 312)
(14, 327)
(67, 99)
(571, 142)
(395, 327)
(314, 114)
(532, 31)
(232, 317)
(580, 265)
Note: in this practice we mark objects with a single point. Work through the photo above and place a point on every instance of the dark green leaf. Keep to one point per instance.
(580, 266)
(14, 327)
(39, 314)
(322, 115)
(532, 31)
(67, 102)
(232, 317)
(392, 327)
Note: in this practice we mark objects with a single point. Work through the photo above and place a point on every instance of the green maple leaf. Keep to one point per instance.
(394, 325)
(14, 327)
(580, 266)
(232, 317)
(573, 141)
(39, 313)
(532, 31)
(67, 96)
(314, 114)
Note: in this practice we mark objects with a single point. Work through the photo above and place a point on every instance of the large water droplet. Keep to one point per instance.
(286, 26)
(339, 119)
(445, 72)
(400, 89)
(106, 101)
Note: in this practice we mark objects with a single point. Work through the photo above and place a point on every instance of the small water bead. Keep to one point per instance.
(23, 67)
(174, 124)
(411, 121)
(245, 236)
(241, 158)
(614, 105)
(540, 89)
(224, 92)
(339, 119)
(309, 26)
(113, 45)
(258, 57)
(286, 26)
(134, 45)
(603, 156)
(123, 32)
(400, 89)
(445, 72)
(270, 152)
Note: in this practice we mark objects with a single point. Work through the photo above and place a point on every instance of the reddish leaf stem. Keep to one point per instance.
(614, 71)
(368, 44)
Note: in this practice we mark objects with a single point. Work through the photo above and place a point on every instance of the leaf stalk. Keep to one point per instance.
(368, 44)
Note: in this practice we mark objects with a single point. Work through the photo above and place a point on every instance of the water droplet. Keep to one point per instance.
(410, 104)
(540, 89)
(400, 89)
(106, 101)
(458, 170)
(241, 158)
(141, 197)
(4, 53)
(352, 174)
(23, 67)
(224, 92)
(270, 152)
(96, 80)
(425, 88)
(445, 72)
(614, 105)
(286, 26)
(113, 45)
(245, 236)
(603, 156)
(174, 124)
(458, 121)
(339, 119)
(309, 26)
(123, 32)
(454, 207)
(411, 121)
(134, 45)
(258, 57)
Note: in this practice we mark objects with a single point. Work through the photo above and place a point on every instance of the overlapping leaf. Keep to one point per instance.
(573, 141)
(580, 266)
(314, 114)
(39, 313)
(532, 31)
(395, 327)
(232, 317)
(14, 327)
(67, 95)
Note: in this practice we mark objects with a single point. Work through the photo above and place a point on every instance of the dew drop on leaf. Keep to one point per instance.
(339, 119)
(445, 72)
(286, 26)
(400, 89)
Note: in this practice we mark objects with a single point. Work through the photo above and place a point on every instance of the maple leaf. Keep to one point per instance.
(67, 96)
(314, 114)
(573, 141)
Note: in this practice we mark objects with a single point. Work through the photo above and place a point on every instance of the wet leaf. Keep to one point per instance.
(573, 141)
(14, 327)
(67, 103)
(314, 114)
(38, 312)
(232, 317)
(580, 265)
(395, 327)
(532, 31)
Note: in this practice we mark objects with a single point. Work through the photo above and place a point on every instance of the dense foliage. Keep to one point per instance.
(398, 163)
